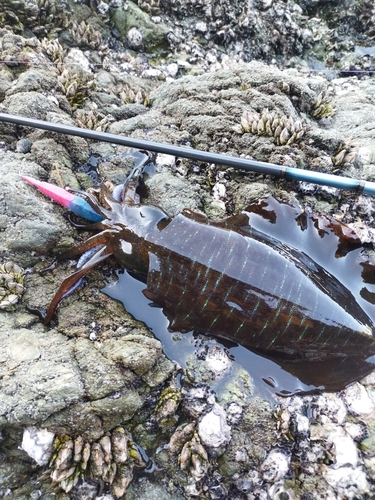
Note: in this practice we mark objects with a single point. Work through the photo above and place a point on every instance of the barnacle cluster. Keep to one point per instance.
(192, 455)
(345, 155)
(75, 85)
(92, 119)
(322, 107)
(39, 16)
(152, 7)
(109, 460)
(16, 50)
(283, 128)
(11, 284)
(87, 36)
(9, 18)
(51, 12)
(131, 94)
(54, 50)
(166, 407)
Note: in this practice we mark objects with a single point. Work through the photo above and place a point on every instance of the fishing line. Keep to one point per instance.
(103, 65)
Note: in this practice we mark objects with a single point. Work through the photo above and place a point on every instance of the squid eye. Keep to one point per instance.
(126, 247)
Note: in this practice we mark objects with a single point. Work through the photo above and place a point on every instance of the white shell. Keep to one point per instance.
(38, 444)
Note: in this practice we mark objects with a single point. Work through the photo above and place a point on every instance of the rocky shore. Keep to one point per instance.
(91, 407)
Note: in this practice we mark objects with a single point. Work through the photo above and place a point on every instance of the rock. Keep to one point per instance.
(31, 104)
(144, 488)
(27, 213)
(275, 466)
(96, 367)
(251, 439)
(213, 429)
(77, 59)
(359, 401)
(101, 376)
(23, 146)
(172, 193)
(135, 352)
(46, 378)
(50, 154)
(37, 80)
(38, 444)
(131, 16)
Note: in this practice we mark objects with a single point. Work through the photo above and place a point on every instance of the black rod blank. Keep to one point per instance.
(195, 154)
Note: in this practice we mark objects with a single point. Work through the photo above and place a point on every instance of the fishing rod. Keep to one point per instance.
(289, 173)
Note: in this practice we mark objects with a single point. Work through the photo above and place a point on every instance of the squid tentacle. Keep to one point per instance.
(71, 280)
(81, 248)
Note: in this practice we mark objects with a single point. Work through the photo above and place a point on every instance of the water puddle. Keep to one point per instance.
(270, 376)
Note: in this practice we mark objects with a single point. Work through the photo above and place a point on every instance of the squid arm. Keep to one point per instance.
(71, 280)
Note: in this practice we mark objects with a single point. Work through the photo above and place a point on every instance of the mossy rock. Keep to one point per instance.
(131, 16)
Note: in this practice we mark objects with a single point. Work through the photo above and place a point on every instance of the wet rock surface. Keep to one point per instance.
(175, 72)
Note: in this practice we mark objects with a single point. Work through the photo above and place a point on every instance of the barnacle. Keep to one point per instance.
(87, 36)
(42, 16)
(181, 435)
(39, 16)
(111, 460)
(138, 96)
(75, 85)
(322, 107)
(92, 119)
(16, 50)
(186, 442)
(283, 128)
(11, 284)
(167, 405)
(345, 155)
(54, 50)
(9, 18)
(194, 456)
(152, 7)
(131, 94)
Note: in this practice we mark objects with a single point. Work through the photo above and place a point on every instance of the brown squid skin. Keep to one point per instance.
(257, 278)
(253, 290)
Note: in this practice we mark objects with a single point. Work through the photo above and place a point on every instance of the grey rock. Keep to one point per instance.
(132, 16)
(101, 376)
(32, 223)
(47, 378)
(214, 431)
(23, 146)
(59, 378)
(6, 78)
(250, 441)
(171, 193)
(37, 80)
(31, 104)
(50, 154)
(135, 352)
(144, 488)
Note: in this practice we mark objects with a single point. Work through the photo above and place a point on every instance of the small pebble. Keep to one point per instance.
(213, 429)
(134, 38)
(358, 400)
(23, 146)
(275, 466)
